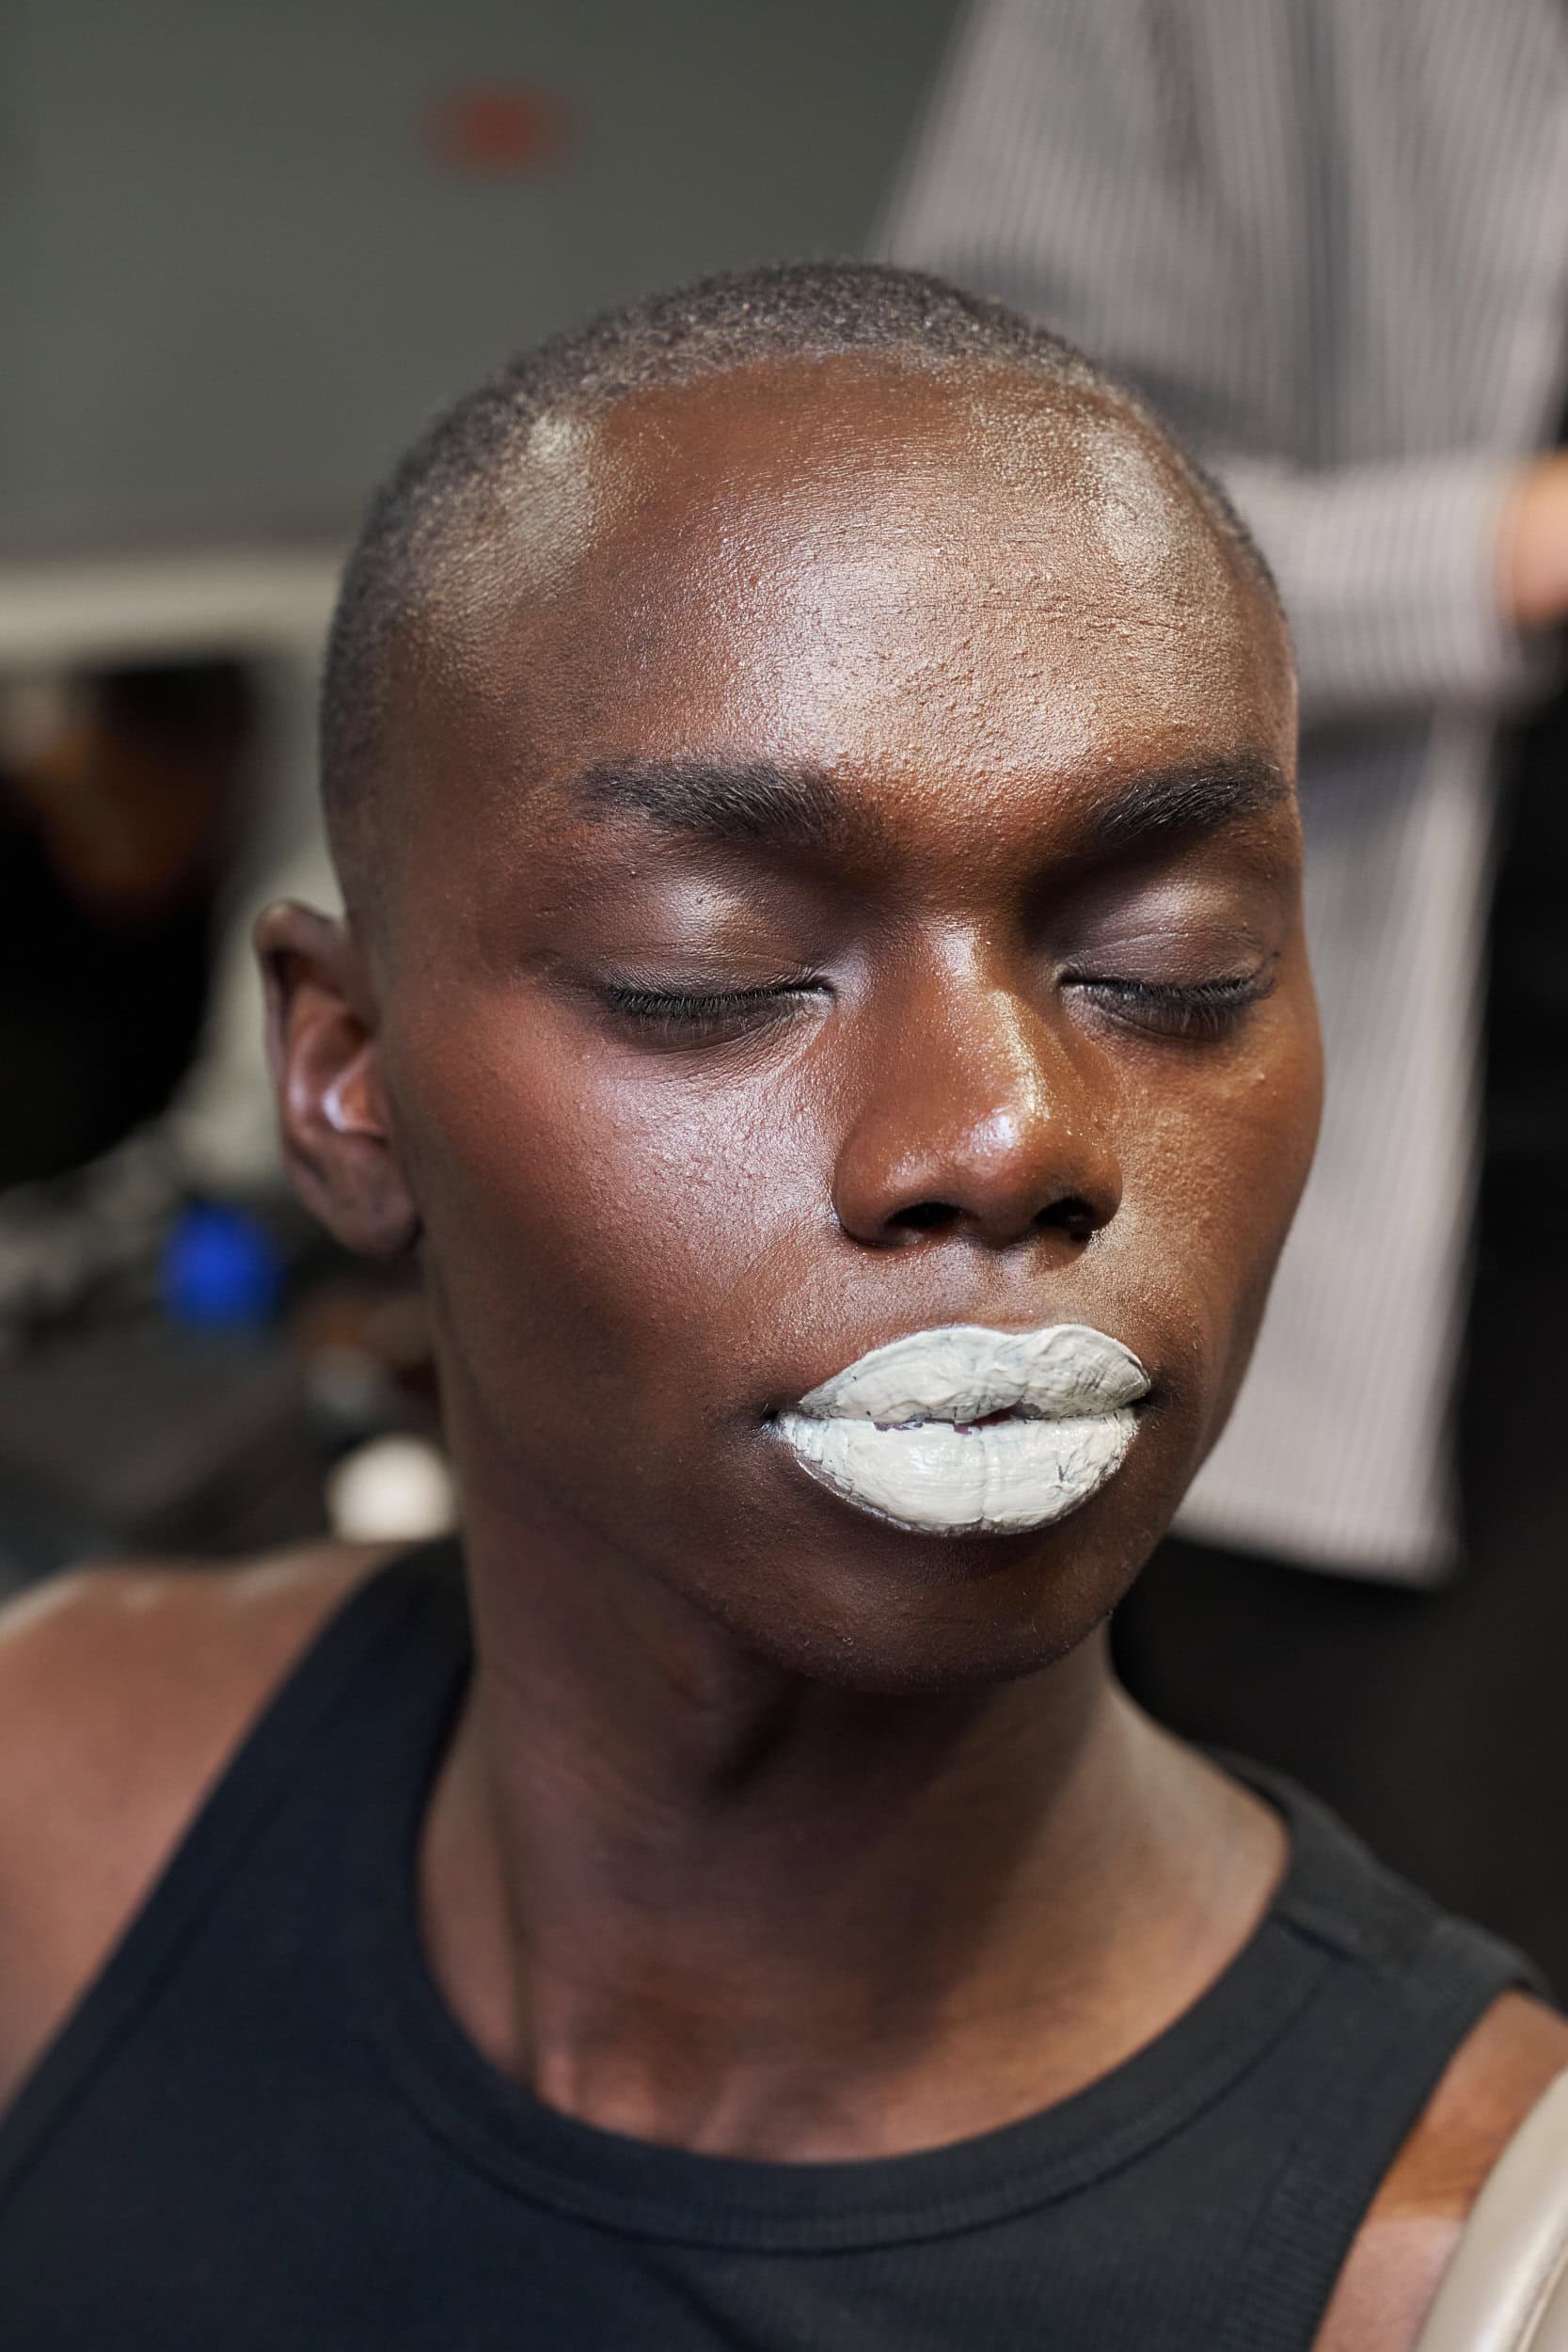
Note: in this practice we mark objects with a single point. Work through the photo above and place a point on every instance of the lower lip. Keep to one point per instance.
(933, 1479)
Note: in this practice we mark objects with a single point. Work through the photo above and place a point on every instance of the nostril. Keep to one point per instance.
(1073, 1217)
(923, 1216)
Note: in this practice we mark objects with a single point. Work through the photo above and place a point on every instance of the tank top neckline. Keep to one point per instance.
(651, 2190)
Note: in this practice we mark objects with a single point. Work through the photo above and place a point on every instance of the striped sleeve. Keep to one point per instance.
(1389, 574)
(1072, 165)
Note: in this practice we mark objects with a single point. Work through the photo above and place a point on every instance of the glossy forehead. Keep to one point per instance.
(865, 567)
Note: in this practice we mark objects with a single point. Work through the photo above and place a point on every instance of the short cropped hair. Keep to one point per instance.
(430, 508)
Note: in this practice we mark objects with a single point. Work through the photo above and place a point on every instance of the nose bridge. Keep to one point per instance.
(1012, 1050)
(986, 1078)
(974, 1114)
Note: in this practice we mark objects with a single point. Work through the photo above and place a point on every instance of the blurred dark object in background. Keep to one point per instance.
(150, 1440)
(1525, 1128)
(265, 1391)
(115, 803)
(189, 1371)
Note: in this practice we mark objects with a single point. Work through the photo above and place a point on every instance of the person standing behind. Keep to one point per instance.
(1329, 238)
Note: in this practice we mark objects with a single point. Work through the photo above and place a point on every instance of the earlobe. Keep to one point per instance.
(322, 1043)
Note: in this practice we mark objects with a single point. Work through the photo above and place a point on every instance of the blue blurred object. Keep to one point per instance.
(220, 1270)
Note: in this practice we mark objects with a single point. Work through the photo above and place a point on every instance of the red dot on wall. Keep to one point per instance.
(505, 129)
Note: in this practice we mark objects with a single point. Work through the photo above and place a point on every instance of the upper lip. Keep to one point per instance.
(963, 1372)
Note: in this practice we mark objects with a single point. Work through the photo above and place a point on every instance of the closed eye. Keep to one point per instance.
(1196, 1010)
(694, 1017)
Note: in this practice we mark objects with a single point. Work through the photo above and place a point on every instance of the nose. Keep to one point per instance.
(977, 1122)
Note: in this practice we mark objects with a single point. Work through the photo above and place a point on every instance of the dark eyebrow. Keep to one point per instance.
(765, 802)
(1191, 797)
(757, 801)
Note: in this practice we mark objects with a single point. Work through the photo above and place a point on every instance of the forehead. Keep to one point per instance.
(870, 571)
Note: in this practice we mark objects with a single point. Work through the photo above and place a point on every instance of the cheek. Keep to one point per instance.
(612, 1233)
(1211, 1187)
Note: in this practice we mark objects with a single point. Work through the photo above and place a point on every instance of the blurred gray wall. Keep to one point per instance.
(234, 275)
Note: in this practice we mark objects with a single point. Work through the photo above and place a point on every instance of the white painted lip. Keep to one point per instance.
(895, 1433)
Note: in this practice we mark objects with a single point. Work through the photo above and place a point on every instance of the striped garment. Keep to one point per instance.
(1330, 239)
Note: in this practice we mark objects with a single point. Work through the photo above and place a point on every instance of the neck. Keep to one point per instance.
(695, 1900)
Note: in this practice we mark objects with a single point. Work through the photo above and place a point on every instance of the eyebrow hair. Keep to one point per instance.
(755, 800)
(763, 802)
(1191, 797)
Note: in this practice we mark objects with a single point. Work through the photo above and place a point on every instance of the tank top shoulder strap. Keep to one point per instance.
(1406, 1985)
(397, 1649)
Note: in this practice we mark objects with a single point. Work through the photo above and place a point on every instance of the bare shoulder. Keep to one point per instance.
(1414, 2223)
(123, 1691)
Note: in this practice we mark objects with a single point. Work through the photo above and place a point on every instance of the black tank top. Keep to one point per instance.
(261, 2131)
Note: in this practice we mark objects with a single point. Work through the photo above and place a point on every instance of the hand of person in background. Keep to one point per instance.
(1533, 555)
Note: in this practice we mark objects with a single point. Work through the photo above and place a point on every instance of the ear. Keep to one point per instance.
(321, 1044)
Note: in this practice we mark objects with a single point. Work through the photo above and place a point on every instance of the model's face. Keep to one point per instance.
(848, 887)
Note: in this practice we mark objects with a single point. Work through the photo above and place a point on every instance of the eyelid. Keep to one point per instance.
(1262, 973)
(691, 1016)
(1182, 1009)
(637, 992)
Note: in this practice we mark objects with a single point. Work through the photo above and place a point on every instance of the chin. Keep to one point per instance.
(900, 1614)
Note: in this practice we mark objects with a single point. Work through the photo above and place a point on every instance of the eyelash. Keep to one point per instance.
(693, 1016)
(1185, 1009)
